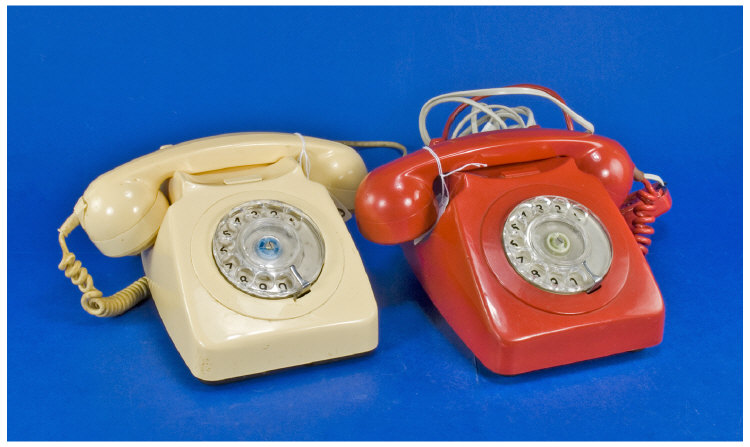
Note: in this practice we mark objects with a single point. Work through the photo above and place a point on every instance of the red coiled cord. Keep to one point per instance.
(644, 215)
(641, 209)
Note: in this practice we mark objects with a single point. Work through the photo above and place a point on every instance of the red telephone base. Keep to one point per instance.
(510, 325)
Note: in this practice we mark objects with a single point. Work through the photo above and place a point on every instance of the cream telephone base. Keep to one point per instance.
(250, 264)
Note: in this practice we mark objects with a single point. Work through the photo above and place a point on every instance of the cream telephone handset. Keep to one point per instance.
(247, 258)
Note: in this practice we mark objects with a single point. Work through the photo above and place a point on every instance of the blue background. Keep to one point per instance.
(91, 88)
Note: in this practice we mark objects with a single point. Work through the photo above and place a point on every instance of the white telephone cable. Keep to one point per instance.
(495, 121)
(462, 98)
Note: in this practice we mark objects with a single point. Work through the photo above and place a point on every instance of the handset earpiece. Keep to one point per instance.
(336, 166)
(395, 206)
(121, 219)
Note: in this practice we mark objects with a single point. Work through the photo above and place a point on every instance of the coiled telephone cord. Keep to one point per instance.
(643, 212)
(92, 299)
(644, 215)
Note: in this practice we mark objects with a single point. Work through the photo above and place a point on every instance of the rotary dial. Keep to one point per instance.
(269, 249)
(557, 244)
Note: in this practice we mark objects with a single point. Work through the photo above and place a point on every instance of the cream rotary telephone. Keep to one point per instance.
(247, 257)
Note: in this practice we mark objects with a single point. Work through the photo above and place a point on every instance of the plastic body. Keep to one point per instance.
(511, 325)
(220, 331)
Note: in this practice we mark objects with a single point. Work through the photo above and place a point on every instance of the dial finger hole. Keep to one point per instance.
(283, 283)
(245, 276)
(555, 279)
(522, 258)
(517, 225)
(524, 214)
(516, 243)
(560, 206)
(578, 213)
(263, 281)
(231, 264)
(537, 272)
(235, 221)
(226, 233)
(225, 250)
(575, 280)
(540, 205)
(264, 277)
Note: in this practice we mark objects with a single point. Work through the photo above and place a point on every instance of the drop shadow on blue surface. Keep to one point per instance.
(437, 320)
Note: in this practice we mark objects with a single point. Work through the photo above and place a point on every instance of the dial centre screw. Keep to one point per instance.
(558, 243)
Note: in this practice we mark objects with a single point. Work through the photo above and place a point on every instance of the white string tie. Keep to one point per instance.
(655, 178)
(444, 196)
(303, 157)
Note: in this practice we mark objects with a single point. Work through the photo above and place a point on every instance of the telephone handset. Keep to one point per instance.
(525, 249)
(247, 258)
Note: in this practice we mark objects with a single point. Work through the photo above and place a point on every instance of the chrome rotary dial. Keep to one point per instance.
(269, 249)
(557, 244)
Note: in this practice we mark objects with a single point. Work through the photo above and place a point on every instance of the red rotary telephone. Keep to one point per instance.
(534, 250)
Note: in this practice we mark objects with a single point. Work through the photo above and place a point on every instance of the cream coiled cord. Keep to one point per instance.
(93, 300)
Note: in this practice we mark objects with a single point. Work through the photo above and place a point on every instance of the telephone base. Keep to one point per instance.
(224, 333)
(513, 326)
(540, 339)
(242, 346)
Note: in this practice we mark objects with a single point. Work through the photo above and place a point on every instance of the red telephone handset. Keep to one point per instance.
(395, 203)
(532, 261)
